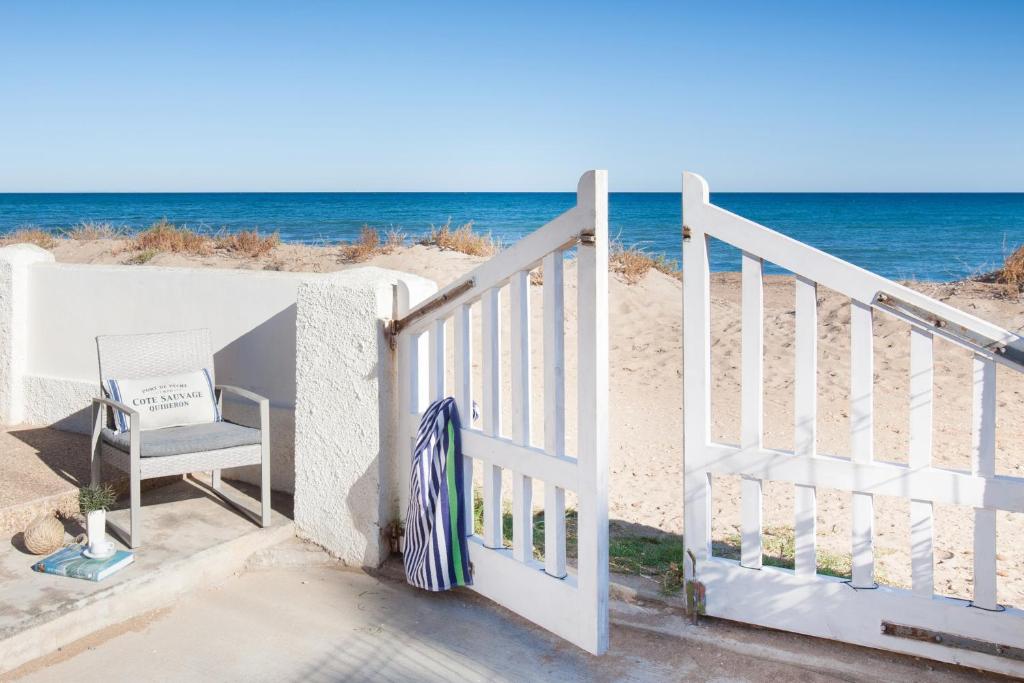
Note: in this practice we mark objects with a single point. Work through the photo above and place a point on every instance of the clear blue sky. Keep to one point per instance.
(164, 96)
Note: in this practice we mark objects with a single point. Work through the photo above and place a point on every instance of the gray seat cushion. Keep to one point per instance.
(191, 439)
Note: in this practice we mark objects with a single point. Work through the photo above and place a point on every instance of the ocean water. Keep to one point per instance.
(919, 236)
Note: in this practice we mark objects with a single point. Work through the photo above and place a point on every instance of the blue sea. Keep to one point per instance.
(920, 236)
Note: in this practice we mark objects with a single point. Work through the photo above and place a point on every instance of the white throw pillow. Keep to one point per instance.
(170, 401)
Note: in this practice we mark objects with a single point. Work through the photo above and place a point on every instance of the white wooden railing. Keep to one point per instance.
(572, 604)
(800, 600)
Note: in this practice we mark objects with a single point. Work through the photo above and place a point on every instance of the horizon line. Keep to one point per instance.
(611, 192)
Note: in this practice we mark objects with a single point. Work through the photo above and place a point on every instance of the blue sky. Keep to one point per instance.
(324, 96)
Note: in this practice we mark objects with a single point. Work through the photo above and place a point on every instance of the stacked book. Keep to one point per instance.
(71, 562)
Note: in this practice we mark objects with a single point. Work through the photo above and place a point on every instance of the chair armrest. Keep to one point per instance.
(131, 412)
(134, 438)
(243, 393)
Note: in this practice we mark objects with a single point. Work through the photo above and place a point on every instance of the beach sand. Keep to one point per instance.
(646, 385)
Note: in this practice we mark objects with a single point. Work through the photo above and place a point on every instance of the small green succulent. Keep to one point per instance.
(92, 498)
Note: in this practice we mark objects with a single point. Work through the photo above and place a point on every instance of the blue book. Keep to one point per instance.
(71, 562)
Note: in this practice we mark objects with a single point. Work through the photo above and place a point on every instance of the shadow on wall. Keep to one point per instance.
(369, 498)
(248, 363)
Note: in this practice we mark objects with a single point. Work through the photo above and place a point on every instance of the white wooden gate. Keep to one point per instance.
(571, 603)
(978, 633)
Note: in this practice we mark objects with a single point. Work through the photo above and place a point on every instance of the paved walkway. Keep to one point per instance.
(325, 623)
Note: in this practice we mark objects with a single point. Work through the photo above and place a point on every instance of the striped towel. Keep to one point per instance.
(436, 554)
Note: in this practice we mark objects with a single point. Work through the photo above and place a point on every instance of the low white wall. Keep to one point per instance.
(16, 262)
(314, 344)
(250, 314)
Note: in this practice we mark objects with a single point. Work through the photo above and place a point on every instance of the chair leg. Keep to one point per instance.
(265, 463)
(265, 493)
(135, 500)
(94, 467)
(94, 453)
(215, 480)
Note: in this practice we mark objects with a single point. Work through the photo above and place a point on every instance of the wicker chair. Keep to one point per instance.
(172, 450)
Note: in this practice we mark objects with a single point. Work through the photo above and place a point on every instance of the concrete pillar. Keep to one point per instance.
(345, 411)
(15, 262)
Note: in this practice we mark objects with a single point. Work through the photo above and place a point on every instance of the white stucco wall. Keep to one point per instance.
(345, 416)
(16, 261)
(63, 307)
(314, 344)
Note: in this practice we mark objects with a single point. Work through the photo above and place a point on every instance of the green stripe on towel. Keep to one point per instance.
(453, 508)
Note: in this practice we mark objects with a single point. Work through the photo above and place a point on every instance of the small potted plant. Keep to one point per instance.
(94, 501)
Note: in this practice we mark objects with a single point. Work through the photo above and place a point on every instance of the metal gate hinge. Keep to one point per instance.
(952, 640)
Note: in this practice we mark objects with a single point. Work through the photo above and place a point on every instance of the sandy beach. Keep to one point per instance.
(646, 380)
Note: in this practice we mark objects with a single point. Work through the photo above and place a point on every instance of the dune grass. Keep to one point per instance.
(1012, 272)
(247, 242)
(369, 244)
(166, 237)
(91, 232)
(462, 239)
(633, 264)
(29, 235)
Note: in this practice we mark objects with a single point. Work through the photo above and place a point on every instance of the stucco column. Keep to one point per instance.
(345, 410)
(15, 262)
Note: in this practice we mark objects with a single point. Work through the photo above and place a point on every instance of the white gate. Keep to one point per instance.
(978, 633)
(571, 603)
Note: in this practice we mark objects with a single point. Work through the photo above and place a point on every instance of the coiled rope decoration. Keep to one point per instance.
(44, 534)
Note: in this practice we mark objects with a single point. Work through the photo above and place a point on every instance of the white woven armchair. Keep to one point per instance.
(172, 450)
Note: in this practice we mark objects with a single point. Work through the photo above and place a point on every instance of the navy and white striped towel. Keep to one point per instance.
(436, 553)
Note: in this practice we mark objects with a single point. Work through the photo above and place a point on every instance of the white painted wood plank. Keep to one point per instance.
(436, 372)
(879, 478)
(752, 404)
(592, 401)
(985, 578)
(983, 432)
(696, 372)
(827, 608)
(805, 421)
(491, 409)
(531, 593)
(522, 486)
(405, 420)
(554, 409)
(922, 553)
(562, 470)
(463, 357)
(983, 464)
(534, 462)
(414, 352)
(862, 437)
(825, 269)
(752, 353)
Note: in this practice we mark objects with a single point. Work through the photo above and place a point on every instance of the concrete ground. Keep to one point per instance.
(189, 538)
(42, 470)
(296, 615)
